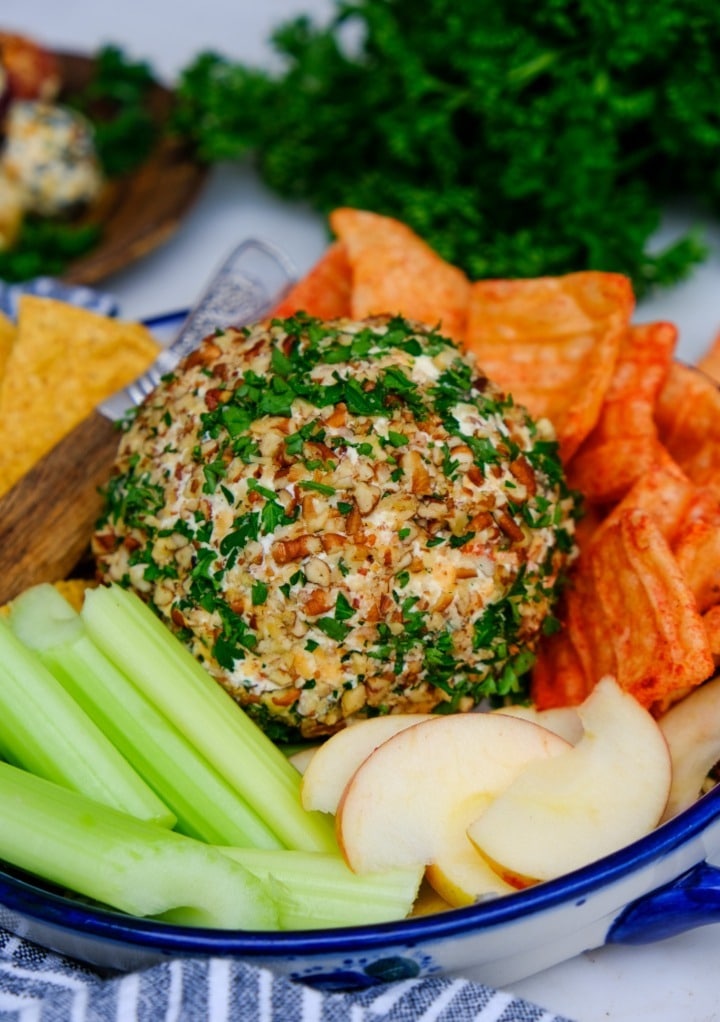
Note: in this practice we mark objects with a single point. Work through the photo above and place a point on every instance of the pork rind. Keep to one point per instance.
(696, 546)
(709, 362)
(559, 677)
(687, 414)
(395, 272)
(624, 443)
(325, 291)
(711, 621)
(552, 343)
(631, 613)
(663, 491)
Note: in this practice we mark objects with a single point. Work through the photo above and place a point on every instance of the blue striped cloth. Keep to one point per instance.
(38, 985)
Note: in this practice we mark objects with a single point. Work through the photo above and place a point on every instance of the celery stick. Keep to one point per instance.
(206, 806)
(321, 891)
(44, 730)
(142, 647)
(129, 864)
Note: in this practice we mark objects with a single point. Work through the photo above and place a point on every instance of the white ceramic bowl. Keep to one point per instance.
(654, 888)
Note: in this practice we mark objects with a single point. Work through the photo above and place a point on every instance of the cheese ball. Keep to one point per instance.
(49, 152)
(341, 519)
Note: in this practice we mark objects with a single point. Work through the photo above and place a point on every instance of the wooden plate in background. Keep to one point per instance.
(141, 211)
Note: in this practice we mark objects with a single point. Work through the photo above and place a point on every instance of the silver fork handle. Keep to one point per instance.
(245, 287)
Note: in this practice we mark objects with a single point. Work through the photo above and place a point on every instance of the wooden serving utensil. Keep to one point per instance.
(47, 518)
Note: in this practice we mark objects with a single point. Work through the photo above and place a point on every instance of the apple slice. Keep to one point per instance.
(606, 791)
(459, 874)
(337, 759)
(301, 758)
(563, 720)
(406, 798)
(692, 731)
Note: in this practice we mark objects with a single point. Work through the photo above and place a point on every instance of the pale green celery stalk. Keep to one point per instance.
(141, 646)
(321, 891)
(44, 730)
(129, 864)
(206, 806)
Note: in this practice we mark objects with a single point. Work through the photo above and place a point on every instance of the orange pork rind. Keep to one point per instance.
(709, 362)
(324, 292)
(395, 272)
(711, 621)
(687, 414)
(631, 613)
(559, 677)
(624, 443)
(552, 343)
(663, 491)
(696, 546)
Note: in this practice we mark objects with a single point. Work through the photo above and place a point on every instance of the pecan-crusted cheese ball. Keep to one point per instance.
(341, 519)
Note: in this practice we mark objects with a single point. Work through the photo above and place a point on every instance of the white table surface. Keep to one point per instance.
(675, 981)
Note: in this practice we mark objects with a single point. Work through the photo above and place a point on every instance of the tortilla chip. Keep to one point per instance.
(623, 443)
(65, 360)
(324, 291)
(7, 338)
(552, 343)
(74, 589)
(395, 272)
(687, 414)
(710, 361)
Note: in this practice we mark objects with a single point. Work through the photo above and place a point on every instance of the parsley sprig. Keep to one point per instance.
(518, 139)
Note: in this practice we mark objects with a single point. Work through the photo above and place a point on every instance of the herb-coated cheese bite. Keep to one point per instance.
(341, 519)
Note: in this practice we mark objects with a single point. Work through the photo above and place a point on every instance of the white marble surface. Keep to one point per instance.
(676, 981)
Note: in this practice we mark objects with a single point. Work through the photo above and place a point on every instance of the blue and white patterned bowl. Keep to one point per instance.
(657, 887)
(653, 889)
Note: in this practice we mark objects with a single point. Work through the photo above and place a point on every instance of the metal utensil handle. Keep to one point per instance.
(249, 282)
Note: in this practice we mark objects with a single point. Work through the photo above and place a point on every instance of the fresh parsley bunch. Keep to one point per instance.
(518, 138)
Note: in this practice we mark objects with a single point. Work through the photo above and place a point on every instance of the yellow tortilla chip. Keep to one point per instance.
(64, 361)
(7, 337)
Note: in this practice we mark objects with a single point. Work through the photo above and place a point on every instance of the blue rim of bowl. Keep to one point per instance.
(166, 320)
(68, 915)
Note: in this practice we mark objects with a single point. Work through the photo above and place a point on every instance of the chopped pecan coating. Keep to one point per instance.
(346, 519)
